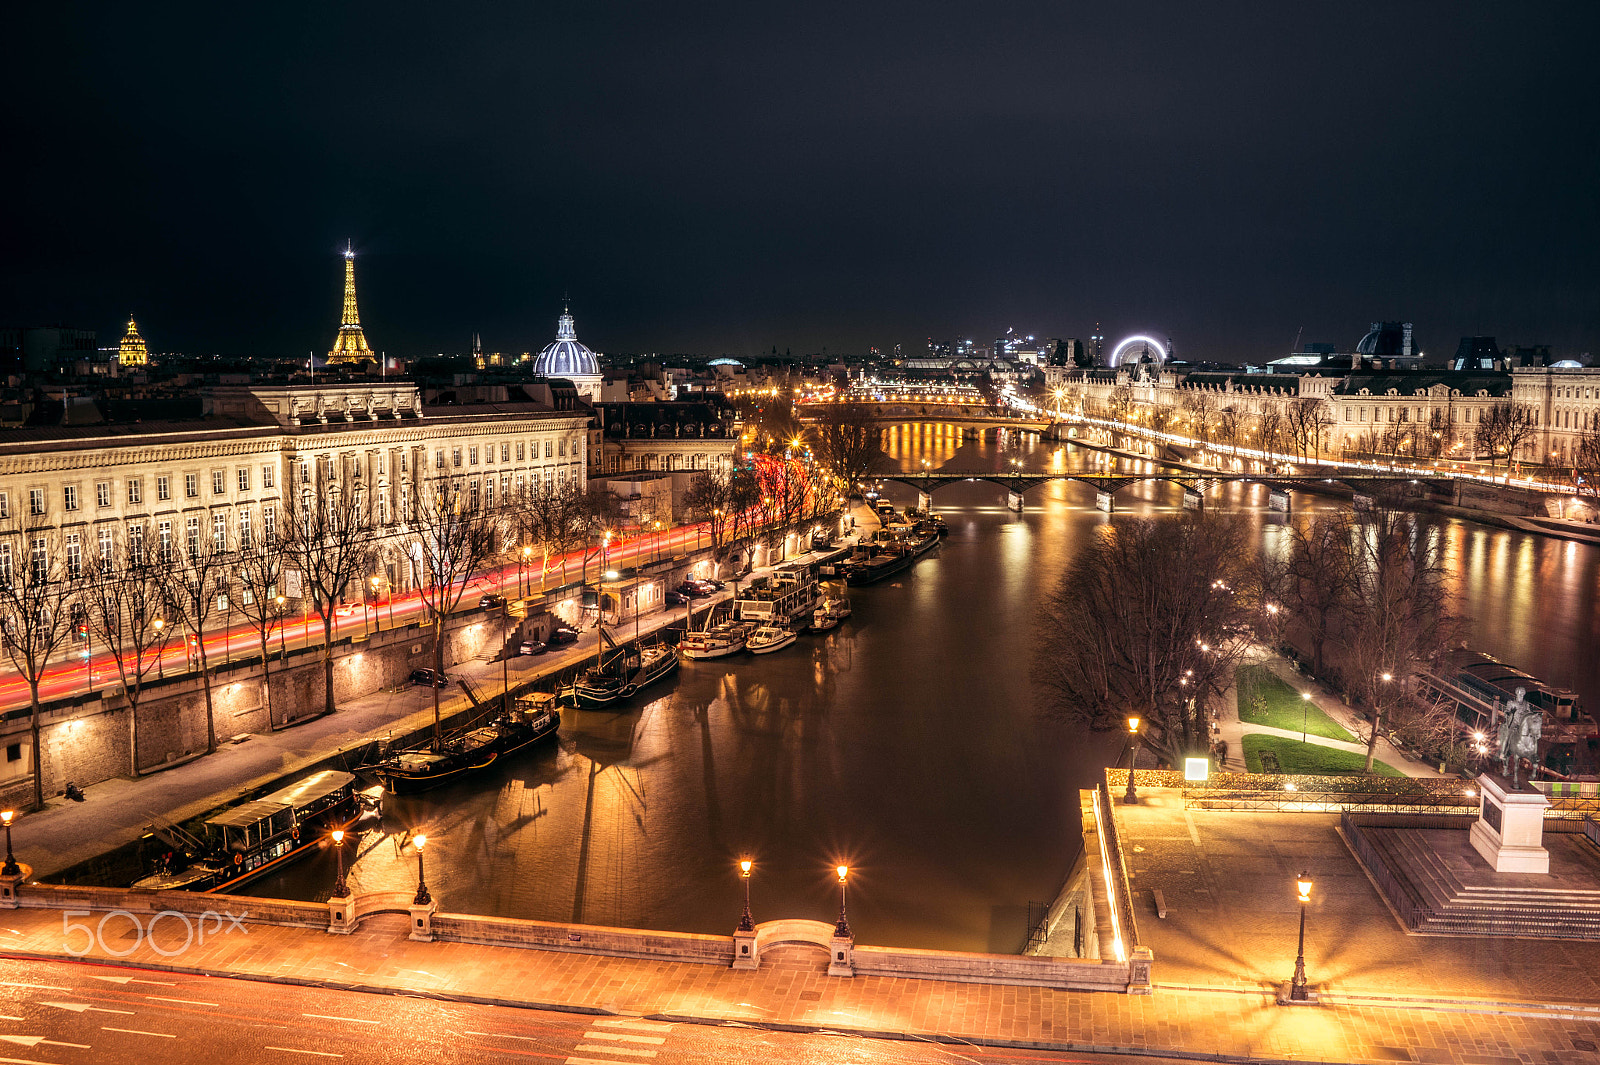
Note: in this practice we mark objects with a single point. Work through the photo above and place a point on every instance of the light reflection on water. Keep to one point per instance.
(905, 742)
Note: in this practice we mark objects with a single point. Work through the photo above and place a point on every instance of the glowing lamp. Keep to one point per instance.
(1133, 724)
(338, 835)
(1196, 769)
(418, 841)
(843, 871)
(1302, 884)
(744, 867)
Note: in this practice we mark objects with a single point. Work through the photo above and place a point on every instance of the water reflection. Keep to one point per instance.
(905, 742)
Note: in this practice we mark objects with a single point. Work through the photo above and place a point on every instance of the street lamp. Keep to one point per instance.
(423, 898)
(1130, 797)
(1305, 709)
(11, 868)
(522, 564)
(341, 890)
(1297, 988)
(842, 928)
(746, 923)
(161, 648)
(283, 647)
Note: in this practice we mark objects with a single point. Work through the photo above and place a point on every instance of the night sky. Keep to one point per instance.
(728, 178)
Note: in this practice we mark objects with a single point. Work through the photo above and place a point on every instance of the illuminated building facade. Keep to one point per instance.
(132, 350)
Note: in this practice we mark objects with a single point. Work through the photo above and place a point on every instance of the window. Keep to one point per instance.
(472, 456)
(519, 451)
(244, 530)
(40, 562)
(332, 467)
(438, 459)
(69, 496)
(105, 549)
(269, 522)
(505, 453)
(5, 505)
(36, 501)
(191, 485)
(563, 447)
(102, 494)
(136, 544)
(455, 457)
(473, 494)
(383, 508)
(244, 478)
(219, 482)
(5, 564)
(163, 489)
(74, 556)
(14, 752)
(305, 471)
(489, 497)
(191, 535)
(267, 479)
(219, 533)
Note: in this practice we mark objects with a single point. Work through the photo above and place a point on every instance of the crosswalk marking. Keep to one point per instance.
(618, 1050)
(624, 1037)
(607, 1042)
(643, 1026)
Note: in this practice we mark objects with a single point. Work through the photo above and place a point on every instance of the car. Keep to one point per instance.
(561, 634)
(531, 647)
(693, 589)
(675, 598)
(712, 583)
(491, 599)
(429, 678)
(344, 610)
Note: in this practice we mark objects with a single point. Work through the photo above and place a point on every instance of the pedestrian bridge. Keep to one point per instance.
(969, 416)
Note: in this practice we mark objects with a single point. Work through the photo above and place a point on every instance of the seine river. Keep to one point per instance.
(905, 743)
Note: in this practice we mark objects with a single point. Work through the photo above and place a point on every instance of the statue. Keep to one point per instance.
(1519, 737)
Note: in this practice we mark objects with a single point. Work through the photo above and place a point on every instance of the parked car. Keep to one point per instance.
(531, 647)
(429, 678)
(490, 600)
(712, 583)
(561, 634)
(676, 598)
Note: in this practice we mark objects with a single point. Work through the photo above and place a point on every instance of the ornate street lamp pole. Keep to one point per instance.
(341, 890)
(11, 868)
(423, 898)
(746, 922)
(842, 928)
(1131, 797)
(1297, 988)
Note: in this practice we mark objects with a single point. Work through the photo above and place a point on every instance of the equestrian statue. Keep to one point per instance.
(1520, 729)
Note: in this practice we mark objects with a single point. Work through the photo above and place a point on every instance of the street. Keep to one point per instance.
(73, 1014)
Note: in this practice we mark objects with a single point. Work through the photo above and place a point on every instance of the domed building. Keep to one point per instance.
(569, 358)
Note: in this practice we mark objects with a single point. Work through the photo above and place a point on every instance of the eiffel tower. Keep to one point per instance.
(351, 343)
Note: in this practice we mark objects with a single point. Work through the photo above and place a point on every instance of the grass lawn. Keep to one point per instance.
(1297, 757)
(1282, 706)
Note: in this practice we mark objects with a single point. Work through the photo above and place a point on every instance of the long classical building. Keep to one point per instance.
(231, 474)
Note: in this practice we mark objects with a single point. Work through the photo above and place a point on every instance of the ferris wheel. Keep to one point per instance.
(1134, 349)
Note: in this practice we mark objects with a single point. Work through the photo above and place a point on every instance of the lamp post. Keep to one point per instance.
(377, 617)
(1297, 987)
(11, 868)
(1131, 797)
(842, 928)
(1305, 709)
(341, 890)
(746, 922)
(522, 565)
(423, 898)
(283, 645)
(161, 648)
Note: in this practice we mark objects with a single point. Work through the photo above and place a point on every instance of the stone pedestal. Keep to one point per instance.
(1509, 832)
(422, 922)
(1139, 964)
(842, 956)
(341, 915)
(10, 885)
(746, 955)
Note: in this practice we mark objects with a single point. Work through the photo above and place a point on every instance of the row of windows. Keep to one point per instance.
(470, 454)
(71, 499)
(1403, 414)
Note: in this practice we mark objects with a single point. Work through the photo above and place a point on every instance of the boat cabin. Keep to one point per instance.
(265, 828)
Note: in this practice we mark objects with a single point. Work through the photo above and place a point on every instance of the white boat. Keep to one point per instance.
(716, 642)
(830, 614)
(769, 638)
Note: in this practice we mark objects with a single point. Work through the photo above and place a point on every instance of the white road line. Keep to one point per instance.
(184, 1001)
(24, 1061)
(8, 1017)
(502, 1035)
(295, 1050)
(79, 1007)
(623, 1037)
(135, 1031)
(643, 1026)
(41, 987)
(591, 1061)
(325, 1017)
(617, 1050)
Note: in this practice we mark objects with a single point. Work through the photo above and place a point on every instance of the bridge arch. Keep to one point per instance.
(794, 930)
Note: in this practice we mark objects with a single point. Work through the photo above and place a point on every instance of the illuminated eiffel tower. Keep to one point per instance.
(351, 343)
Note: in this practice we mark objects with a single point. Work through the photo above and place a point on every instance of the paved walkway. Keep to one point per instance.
(792, 990)
(1232, 730)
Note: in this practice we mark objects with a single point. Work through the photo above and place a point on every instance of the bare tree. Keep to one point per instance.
(1228, 426)
(457, 537)
(849, 444)
(38, 590)
(1306, 421)
(197, 586)
(1162, 415)
(1201, 410)
(124, 599)
(1586, 459)
(1270, 428)
(262, 602)
(1318, 589)
(1502, 430)
(1147, 622)
(1401, 616)
(328, 543)
(1121, 402)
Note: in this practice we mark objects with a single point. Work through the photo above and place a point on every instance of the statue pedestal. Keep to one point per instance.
(1509, 832)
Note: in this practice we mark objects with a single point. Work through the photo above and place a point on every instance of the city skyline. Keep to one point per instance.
(731, 182)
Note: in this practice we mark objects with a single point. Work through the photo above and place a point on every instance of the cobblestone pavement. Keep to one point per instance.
(792, 989)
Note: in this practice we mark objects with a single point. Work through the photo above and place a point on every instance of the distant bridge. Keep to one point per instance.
(969, 416)
(1196, 484)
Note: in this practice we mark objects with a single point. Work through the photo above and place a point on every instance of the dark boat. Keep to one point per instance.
(883, 559)
(530, 719)
(243, 843)
(619, 676)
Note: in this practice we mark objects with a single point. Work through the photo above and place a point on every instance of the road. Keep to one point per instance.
(75, 676)
(74, 1014)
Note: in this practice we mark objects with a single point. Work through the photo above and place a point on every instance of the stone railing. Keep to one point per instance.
(1447, 790)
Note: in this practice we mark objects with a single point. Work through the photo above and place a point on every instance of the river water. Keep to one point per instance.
(905, 743)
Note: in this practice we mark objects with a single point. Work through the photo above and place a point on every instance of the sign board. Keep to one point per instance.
(1492, 815)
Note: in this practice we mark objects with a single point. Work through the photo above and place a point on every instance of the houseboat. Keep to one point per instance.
(530, 719)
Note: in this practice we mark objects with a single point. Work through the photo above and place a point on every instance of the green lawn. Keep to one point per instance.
(1266, 700)
(1309, 758)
